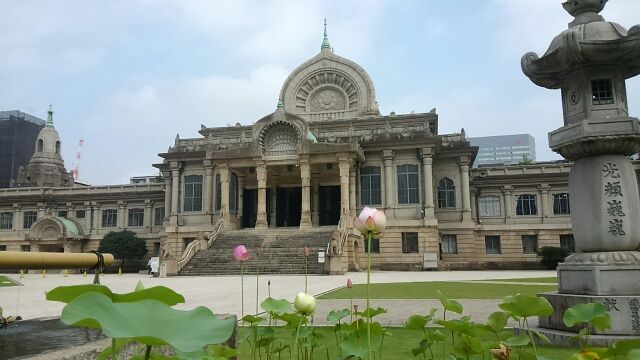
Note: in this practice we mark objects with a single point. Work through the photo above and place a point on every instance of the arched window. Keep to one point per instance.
(446, 194)
(40, 145)
(57, 147)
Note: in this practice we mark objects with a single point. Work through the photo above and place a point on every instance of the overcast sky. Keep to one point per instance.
(128, 75)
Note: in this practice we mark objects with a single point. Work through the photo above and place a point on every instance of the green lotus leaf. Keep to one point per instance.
(592, 313)
(67, 294)
(526, 354)
(149, 322)
(276, 306)
(251, 319)
(520, 340)
(353, 347)
(526, 306)
(370, 313)
(337, 315)
(624, 347)
(449, 304)
(292, 319)
(416, 322)
(497, 321)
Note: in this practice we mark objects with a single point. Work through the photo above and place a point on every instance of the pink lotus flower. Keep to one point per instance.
(370, 220)
(306, 251)
(349, 283)
(240, 253)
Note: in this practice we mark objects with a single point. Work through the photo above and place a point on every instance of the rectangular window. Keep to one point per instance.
(233, 193)
(63, 213)
(218, 192)
(526, 205)
(28, 218)
(25, 248)
(408, 184)
(158, 216)
(3, 247)
(561, 204)
(375, 246)
(530, 244)
(489, 206)
(370, 193)
(568, 243)
(492, 244)
(448, 244)
(109, 218)
(136, 217)
(6, 220)
(602, 91)
(80, 214)
(409, 243)
(193, 193)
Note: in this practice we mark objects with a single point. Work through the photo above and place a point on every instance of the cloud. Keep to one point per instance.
(132, 126)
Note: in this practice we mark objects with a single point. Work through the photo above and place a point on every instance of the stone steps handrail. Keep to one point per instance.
(195, 246)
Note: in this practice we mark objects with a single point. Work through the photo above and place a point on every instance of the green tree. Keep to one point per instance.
(123, 245)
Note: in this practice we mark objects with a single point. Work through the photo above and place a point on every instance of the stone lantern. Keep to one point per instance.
(590, 62)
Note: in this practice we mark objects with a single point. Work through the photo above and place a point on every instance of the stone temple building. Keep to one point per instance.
(297, 177)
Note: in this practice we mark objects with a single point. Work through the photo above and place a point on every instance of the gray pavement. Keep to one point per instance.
(222, 293)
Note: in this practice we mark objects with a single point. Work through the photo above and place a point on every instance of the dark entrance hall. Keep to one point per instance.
(329, 205)
(288, 206)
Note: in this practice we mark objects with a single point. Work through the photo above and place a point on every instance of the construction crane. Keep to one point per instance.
(76, 164)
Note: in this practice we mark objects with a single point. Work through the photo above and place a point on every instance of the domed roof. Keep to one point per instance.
(328, 86)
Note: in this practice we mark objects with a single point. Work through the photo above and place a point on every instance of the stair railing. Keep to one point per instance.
(195, 246)
(341, 234)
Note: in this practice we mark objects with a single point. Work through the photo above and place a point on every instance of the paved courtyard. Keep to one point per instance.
(222, 293)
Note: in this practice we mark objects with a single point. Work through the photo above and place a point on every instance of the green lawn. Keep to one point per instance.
(427, 290)
(5, 281)
(527, 280)
(396, 347)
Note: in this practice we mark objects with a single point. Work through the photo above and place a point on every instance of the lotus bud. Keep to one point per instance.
(240, 253)
(306, 251)
(370, 220)
(349, 283)
(305, 303)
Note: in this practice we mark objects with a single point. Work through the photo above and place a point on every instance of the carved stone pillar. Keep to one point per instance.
(274, 192)
(175, 189)
(344, 187)
(224, 193)
(316, 202)
(464, 179)
(122, 214)
(508, 203)
(17, 217)
(88, 215)
(208, 186)
(97, 216)
(427, 165)
(387, 156)
(352, 193)
(148, 205)
(71, 211)
(544, 200)
(261, 215)
(305, 177)
(240, 204)
(167, 194)
(41, 210)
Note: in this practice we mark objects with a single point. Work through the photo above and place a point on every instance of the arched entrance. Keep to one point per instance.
(56, 234)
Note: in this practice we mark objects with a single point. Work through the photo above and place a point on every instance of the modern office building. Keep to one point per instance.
(18, 134)
(504, 149)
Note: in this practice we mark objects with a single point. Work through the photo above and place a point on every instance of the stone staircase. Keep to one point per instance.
(280, 252)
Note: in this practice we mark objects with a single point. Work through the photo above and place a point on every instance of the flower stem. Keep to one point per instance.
(370, 357)
(257, 282)
(113, 348)
(147, 352)
(242, 289)
(351, 308)
(305, 274)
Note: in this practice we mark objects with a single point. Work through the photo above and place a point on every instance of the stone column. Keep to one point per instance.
(224, 196)
(261, 215)
(88, 214)
(41, 210)
(273, 203)
(208, 187)
(97, 216)
(17, 217)
(71, 211)
(148, 205)
(508, 203)
(544, 200)
(167, 194)
(316, 202)
(387, 156)
(427, 165)
(122, 214)
(305, 177)
(352, 193)
(474, 207)
(175, 191)
(240, 204)
(464, 180)
(344, 187)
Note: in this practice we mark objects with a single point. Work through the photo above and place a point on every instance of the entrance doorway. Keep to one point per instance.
(288, 206)
(51, 248)
(329, 205)
(250, 207)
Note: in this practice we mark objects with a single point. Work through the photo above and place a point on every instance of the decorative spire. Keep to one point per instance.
(279, 106)
(325, 40)
(50, 116)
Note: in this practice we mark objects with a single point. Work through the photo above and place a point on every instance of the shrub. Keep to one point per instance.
(551, 256)
(124, 245)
